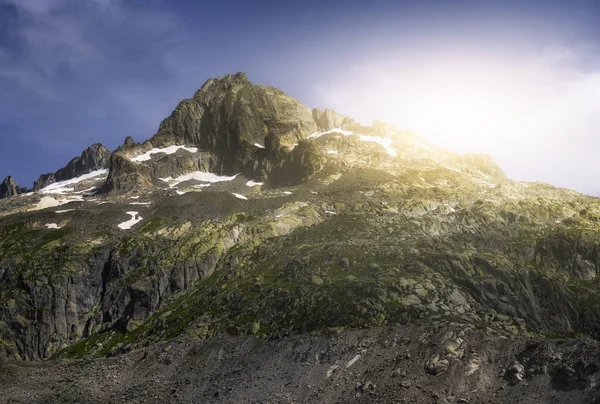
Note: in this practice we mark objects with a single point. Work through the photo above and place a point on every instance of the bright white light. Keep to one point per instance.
(533, 114)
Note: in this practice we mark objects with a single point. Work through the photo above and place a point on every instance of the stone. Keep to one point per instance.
(129, 142)
(515, 372)
(328, 119)
(9, 188)
(435, 365)
(316, 280)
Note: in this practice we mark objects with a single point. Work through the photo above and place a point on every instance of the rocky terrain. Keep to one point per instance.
(254, 250)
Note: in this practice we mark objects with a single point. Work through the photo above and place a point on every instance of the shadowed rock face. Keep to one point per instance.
(95, 157)
(9, 187)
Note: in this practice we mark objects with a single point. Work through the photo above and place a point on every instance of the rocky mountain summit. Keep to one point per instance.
(299, 256)
(96, 157)
(9, 187)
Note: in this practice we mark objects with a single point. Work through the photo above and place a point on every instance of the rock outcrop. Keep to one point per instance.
(95, 157)
(9, 187)
(329, 119)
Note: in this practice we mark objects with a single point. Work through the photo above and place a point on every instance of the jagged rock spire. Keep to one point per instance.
(9, 187)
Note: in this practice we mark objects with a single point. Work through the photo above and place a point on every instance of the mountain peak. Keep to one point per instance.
(227, 122)
(9, 187)
(228, 81)
(95, 157)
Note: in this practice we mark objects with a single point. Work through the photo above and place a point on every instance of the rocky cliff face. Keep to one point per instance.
(249, 214)
(228, 120)
(96, 157)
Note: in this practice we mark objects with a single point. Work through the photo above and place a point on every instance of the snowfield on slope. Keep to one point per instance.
(63, 187)
(384, 142)
(166, 150)
(50, 202)
(334, 130)
(197, 176)
(135, 219)
(239, 196)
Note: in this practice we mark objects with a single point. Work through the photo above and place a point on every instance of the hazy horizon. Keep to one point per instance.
(520, 82)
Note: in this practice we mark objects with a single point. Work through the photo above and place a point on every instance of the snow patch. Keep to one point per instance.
(92, 191)
(135, 197)
(253, 184)
(64, 211)
(141, 203)
(382, 141)
(259, 145)
(63, 187)
(50, 202)
(353, 361)
(332, 152)
(423, 146)
(487, 177)
(239, 196)
(52, 226)
(135, 219)
(456, 170)
(334, 130)
(329, 212)
(287, 192)
(292, 147)
(166, 150)
(197, 176)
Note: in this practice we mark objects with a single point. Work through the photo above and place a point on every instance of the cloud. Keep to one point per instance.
(48, 38)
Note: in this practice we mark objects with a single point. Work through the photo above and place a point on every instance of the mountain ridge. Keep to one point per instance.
(249, 215)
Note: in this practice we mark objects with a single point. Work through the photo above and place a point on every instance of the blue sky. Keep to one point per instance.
(76, 72)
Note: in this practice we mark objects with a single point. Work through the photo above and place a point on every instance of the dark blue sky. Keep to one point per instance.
(82, 71)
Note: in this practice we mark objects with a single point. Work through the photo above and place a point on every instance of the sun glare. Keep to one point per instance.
(462, 112)
(510, 110)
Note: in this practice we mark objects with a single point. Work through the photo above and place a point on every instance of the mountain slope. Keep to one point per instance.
(249, 214)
